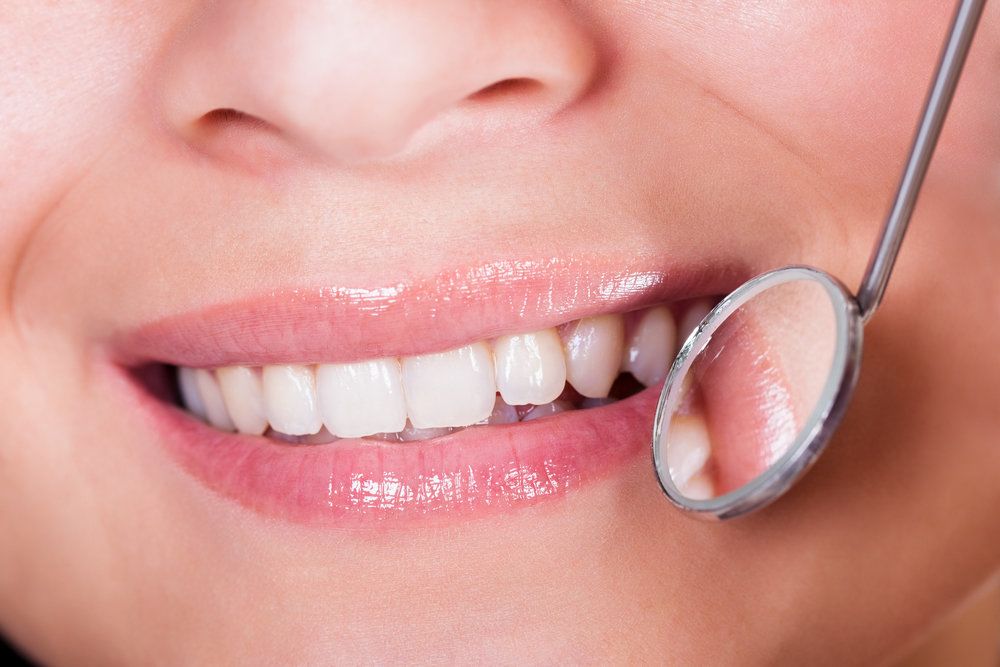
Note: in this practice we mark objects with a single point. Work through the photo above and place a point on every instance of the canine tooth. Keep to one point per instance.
(211, 396)
(692, 317)
(593, 353)
(530, 367)
(189, 391)
(363, 398)
(688, 448)
(651, 346)
(546, 410)
(290, 399)
(454, 388)
(244, 397)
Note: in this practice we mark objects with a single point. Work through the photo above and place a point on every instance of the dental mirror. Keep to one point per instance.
(758, 388)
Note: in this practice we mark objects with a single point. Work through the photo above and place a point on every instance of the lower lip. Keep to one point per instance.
(361, 483)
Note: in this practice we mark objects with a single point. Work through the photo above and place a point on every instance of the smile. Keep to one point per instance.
(492, 424)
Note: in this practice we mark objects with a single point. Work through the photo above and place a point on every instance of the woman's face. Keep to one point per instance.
(202, 184)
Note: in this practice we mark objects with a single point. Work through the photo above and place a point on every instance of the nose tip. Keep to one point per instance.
(358, 81)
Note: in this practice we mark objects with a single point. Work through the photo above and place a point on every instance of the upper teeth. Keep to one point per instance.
(445, 389)
(530, 367)
(454, 388)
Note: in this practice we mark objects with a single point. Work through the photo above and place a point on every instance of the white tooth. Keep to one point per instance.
(651, 346)
(290, 399)
(244, 396)
(699, 487)
(593, 353)
(189, 391)
(530, 367)
(688, 448)
(692, 317)
(503, 413)
(361, 398)
(547, 409)
(454, 388)
(211, 396)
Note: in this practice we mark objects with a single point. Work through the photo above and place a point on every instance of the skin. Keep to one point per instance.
(772, 132)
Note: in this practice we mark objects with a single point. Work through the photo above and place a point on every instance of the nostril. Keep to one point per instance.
(218, 119)
(241, 138)
(507, 89)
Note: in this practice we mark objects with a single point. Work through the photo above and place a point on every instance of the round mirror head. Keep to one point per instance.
(756, 391)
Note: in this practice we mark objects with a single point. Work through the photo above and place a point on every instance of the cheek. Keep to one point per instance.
(69, 76)
(840, 85)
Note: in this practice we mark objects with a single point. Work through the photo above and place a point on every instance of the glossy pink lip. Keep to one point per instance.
(361, 483)
(369, 484)
(336, 324)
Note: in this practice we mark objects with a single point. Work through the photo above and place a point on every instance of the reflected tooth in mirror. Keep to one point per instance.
(651, 346)
(530, 367)
(189, 392)
(362, 398)
(593, 353)
(454, 388)
(699, 487)
(211, 396)
(244, 397)
(694, 313)
(546, 410)
(688, 448)
(290, 399)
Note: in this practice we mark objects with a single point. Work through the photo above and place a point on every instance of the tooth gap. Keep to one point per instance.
(625, 385)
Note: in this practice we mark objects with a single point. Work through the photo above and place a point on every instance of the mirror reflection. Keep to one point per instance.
(751, 388)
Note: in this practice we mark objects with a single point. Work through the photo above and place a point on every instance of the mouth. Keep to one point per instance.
(379, 406)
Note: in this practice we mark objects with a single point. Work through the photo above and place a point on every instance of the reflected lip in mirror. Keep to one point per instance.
(766, 434)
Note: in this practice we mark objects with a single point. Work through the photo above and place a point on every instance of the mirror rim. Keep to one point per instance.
(821, 424)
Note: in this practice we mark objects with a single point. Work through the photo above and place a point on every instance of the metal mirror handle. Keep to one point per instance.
(939, 98)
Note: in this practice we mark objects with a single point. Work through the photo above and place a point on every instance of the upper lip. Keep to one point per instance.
(349, 323)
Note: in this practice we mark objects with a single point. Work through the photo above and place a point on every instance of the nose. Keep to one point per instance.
(356, 80)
